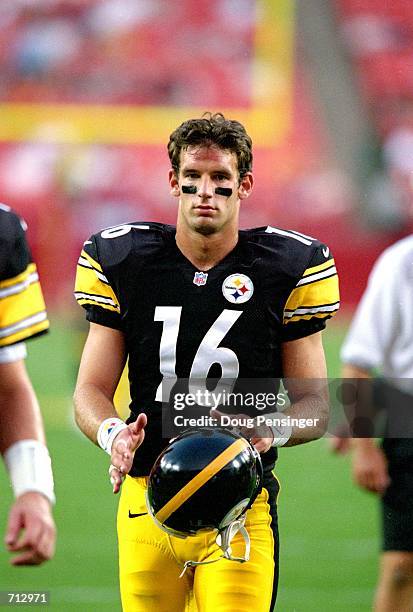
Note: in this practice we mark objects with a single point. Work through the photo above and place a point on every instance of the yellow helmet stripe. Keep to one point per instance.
(200, 479)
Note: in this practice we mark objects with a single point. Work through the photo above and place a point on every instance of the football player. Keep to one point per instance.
(187, 302)
(30, 531)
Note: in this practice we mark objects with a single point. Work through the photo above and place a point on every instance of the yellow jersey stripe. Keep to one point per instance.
(324, 291)
(92, 261)
(319, 295)
(26, 331)
(320, 267)
(82, 301)
(89, 286)
(19, 287)
(200, 479)
(307, 317)
(23, 323)
(20, 278)
(316, 276)
(312, 309)
(20, 306)
(328, 310)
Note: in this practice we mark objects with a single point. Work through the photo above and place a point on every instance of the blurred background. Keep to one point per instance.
(89, 93)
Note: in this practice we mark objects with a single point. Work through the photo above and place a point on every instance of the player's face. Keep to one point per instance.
(206, 168)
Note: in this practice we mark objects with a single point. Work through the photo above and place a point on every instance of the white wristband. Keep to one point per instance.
(280, 427)
(107, 432)
(15, 352)
(30, 468)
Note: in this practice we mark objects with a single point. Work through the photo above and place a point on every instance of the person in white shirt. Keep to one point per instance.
(380, 338)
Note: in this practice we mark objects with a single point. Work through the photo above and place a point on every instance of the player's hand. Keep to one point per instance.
(340, 442)
(30, 530)
(340, 446)
(123, 450)
(370, 469)
(260, 436)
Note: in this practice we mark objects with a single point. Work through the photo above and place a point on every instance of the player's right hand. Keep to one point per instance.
(30, 530)
(370, 469)
(261, 437)
(123, 450)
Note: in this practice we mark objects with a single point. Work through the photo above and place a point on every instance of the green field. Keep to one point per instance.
(328, 528)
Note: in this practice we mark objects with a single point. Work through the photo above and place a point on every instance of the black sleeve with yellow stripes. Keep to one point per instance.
(14, 251)
(22, 308)
(314, 299)
(93, 290)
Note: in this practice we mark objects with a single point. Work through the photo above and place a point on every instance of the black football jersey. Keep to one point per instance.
(180, 322)
(22, 309)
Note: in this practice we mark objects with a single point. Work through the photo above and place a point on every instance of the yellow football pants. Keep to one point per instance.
(151, 561)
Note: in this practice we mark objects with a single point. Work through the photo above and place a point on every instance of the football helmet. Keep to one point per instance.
(205, 480)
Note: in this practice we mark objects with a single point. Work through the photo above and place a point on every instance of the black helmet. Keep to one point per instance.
(203, 480)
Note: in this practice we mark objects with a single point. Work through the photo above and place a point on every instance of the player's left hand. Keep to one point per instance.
(254, 434)
(123, 450)
(31, 530)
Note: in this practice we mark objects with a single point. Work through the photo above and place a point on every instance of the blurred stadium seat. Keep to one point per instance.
(379, 38)
(90, 90)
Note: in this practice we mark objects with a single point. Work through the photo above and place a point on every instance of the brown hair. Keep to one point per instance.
(212, 129)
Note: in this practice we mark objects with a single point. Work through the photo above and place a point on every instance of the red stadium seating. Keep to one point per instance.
(87, 52)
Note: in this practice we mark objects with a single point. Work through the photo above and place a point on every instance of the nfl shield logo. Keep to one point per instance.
(200, 278)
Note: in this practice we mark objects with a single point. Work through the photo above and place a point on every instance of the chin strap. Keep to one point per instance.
(224, 539)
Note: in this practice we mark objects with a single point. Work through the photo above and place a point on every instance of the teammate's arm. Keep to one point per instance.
(30, 530)
(101, 366)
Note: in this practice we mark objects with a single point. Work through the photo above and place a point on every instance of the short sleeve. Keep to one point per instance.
(374, 325)
(93, 290)
(22, 308)
(314, 299)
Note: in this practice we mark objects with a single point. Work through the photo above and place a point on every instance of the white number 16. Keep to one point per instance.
(208, 352)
